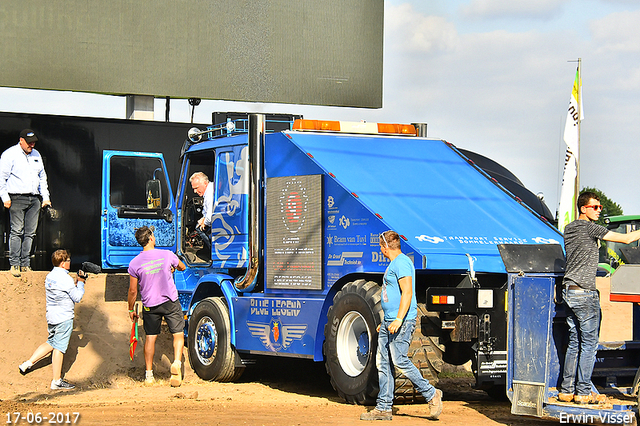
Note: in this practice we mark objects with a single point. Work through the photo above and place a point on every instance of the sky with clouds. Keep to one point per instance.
(491, 76)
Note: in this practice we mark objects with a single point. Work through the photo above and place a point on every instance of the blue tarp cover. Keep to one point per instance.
(424, 190)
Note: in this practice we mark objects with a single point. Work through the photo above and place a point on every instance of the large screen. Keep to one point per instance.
(294, 232)
(303, 52)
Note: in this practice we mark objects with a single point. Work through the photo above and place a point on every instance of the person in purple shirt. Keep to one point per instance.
(152, 270)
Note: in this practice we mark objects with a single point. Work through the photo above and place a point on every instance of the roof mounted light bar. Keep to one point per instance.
(360, 127)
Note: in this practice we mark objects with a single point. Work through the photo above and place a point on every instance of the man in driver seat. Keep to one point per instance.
(201, 186)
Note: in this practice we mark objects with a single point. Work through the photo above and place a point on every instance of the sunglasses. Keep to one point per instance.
(595, 207)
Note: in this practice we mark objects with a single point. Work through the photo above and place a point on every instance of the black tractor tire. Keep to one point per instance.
(210, 352)
(497, 393)
(425, 351)
(458, 353)
(351, 341)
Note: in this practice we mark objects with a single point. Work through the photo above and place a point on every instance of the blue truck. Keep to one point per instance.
(295, 266)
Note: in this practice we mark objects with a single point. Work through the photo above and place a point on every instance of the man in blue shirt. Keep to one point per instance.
(23, 189)
(398, 300)
(62, 293)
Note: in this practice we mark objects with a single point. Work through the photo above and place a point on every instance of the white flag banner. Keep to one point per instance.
(568, 195)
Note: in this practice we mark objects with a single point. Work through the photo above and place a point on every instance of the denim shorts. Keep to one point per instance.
(60, 334)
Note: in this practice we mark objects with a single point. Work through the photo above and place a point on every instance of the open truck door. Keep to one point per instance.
(135, 192)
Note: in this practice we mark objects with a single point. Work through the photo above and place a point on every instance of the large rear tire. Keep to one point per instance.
(210, 352)
(351, 341)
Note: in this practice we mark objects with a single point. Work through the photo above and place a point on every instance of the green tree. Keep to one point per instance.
(609, 207)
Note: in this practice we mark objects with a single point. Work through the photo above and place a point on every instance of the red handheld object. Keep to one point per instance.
(133, 340)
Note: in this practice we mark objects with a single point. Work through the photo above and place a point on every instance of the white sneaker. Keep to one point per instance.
(61, 384)
(24, 367)
(148, 378)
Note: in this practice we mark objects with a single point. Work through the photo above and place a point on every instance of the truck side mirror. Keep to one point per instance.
(153, 193)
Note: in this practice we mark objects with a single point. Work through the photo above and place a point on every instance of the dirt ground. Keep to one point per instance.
(109, 388)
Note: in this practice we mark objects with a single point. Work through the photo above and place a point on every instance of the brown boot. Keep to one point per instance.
(598, 398)
(565, 397)
(376, 414)
(435, 405)
(582, 399)
(15, 270)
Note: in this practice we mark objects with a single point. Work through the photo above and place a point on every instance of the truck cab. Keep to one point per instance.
(614, 254)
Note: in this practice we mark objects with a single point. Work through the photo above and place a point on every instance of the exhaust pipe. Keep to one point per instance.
(256, 178)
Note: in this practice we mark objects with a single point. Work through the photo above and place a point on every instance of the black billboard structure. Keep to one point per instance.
(303, 52)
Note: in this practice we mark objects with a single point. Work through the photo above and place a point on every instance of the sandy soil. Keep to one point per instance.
(110, 391)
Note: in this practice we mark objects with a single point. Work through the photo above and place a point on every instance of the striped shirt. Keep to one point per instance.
(581, 241)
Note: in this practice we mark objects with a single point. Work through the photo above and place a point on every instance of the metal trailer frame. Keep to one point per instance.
(536, 341)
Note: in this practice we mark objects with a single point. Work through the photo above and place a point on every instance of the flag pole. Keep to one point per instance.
(567, 209)
(579, 96)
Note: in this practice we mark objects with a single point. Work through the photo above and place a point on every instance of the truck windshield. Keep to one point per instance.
(610, 252)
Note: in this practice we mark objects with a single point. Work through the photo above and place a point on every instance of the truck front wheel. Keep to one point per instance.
(350, 341)
(210, 352)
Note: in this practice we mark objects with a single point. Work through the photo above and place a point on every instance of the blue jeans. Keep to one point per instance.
(24, 212)
(392, 351)
(584, 322)
(206, 239)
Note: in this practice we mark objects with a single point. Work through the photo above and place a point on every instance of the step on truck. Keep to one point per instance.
(295, 267)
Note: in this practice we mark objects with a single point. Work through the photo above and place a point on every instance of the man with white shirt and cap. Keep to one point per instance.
(23, 190)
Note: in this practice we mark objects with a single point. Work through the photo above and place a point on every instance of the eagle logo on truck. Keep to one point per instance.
(276, 336)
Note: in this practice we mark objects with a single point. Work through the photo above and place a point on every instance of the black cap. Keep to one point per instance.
(28, 135)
